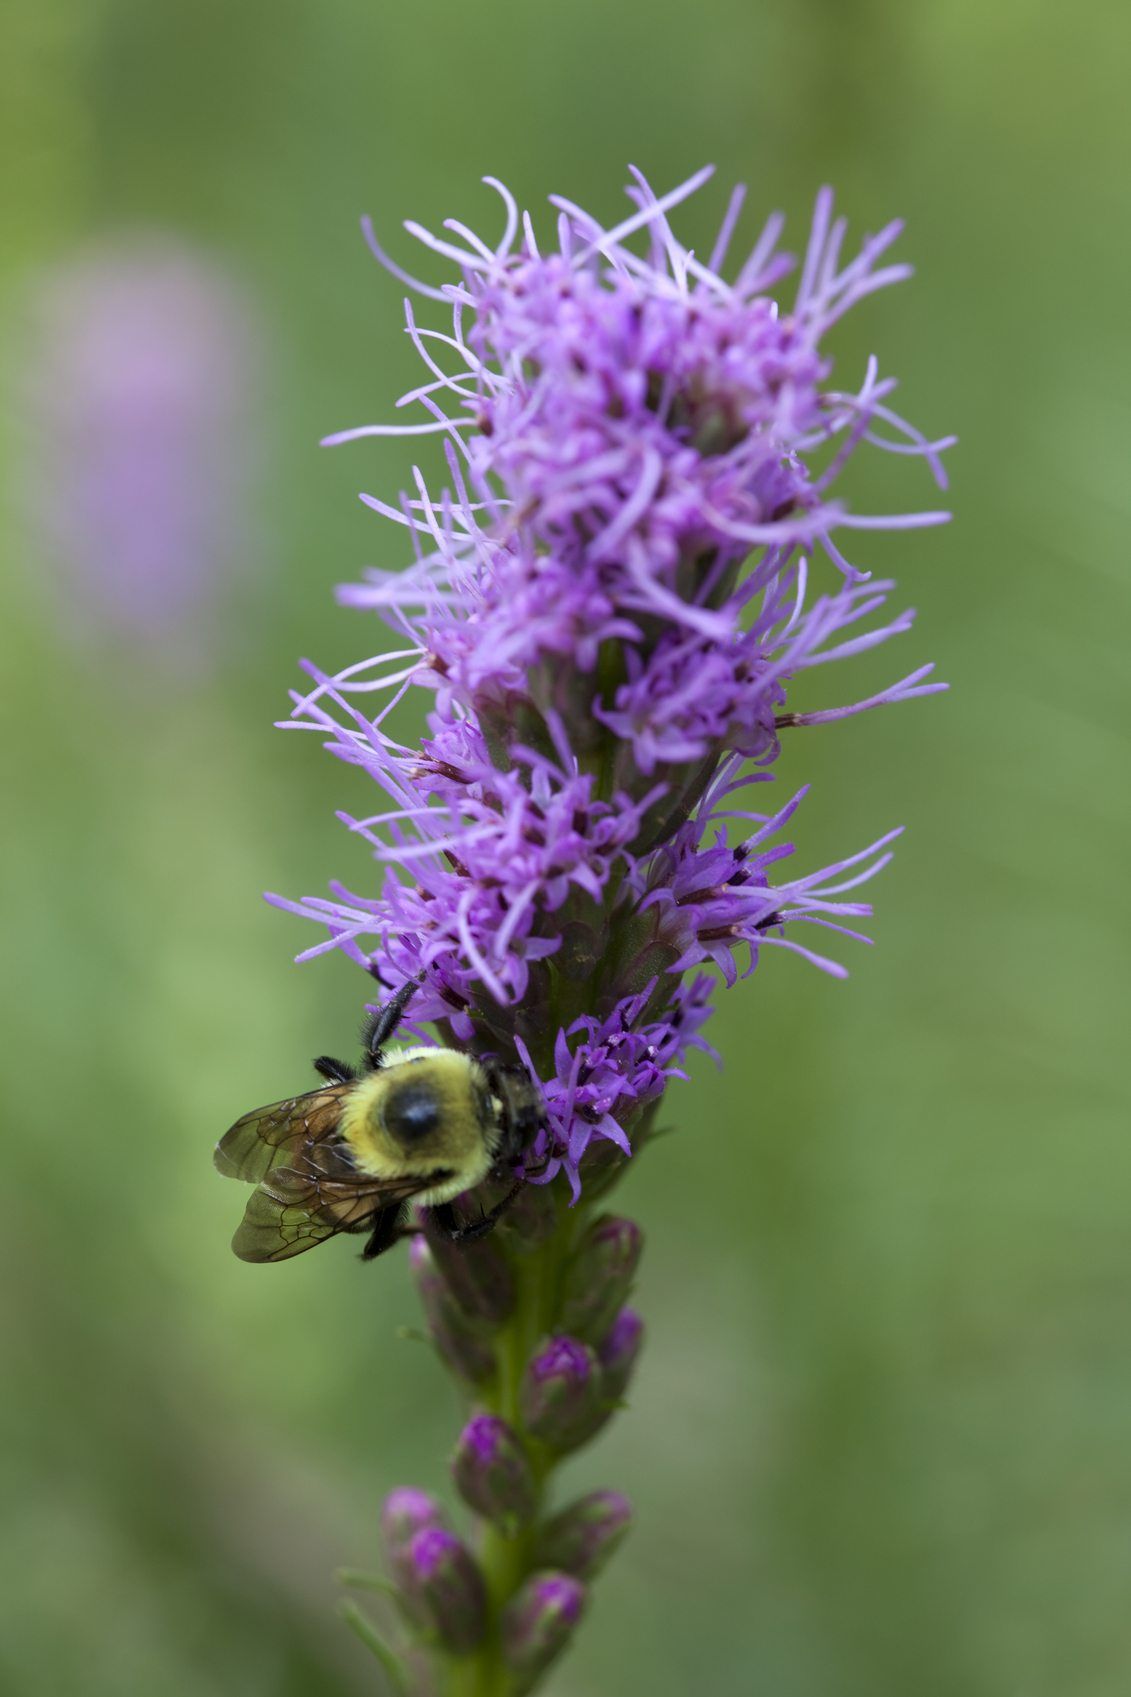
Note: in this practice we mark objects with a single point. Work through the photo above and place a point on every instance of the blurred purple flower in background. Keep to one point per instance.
(608, 603)
(141, 370)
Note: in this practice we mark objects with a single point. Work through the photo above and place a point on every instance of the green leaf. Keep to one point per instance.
(373, 1641)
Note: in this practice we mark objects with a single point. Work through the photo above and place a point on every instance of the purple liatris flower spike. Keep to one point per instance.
(637, 546)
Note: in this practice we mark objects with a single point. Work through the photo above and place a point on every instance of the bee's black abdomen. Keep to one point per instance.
(412, 1113)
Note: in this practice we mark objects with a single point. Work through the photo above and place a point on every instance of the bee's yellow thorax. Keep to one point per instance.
(464, 1141)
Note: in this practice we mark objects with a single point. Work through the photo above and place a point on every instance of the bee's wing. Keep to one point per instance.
(296, 1207)
(269, 1137)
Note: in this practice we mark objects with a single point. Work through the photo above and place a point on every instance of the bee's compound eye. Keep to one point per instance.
(411, 1114)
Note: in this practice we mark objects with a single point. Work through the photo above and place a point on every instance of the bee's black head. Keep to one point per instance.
(523, 1112)
(412, 1112)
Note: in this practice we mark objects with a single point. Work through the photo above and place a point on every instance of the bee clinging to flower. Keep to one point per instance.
(416, 1124)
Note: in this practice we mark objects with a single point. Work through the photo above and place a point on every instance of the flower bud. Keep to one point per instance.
(443, 1588)
(492, 1472)
(602, 1165)
(404, 1513)
(618, 1351)
(581, 1538)
(477, 1274)
(560, 1392)
(599, 1275)
(459, 1341)
(538, 1623)
(531, 1217)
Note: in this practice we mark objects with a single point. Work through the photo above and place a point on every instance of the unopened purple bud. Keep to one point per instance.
(560, 1392)
(581, 1538)
(492, 1471)
(444, 1588)
(600, 1274)
(459, 1340)
(618, 1351)
(538, 1623)
(616, 1361)
(477, 1274)
(405, 1512)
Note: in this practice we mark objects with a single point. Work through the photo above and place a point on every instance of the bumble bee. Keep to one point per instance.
(417, 1125)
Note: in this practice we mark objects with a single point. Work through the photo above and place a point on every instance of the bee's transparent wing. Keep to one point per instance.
(274, 1136)
(296, 1207)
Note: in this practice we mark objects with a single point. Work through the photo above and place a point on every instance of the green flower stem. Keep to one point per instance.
(505, 1556)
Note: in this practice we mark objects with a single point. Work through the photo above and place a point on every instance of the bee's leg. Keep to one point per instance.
(383, 1021)
(386, 1230)
(467, 1231)
(336, 1072)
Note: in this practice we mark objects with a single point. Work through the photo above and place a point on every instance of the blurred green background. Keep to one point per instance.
(881, 1439)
